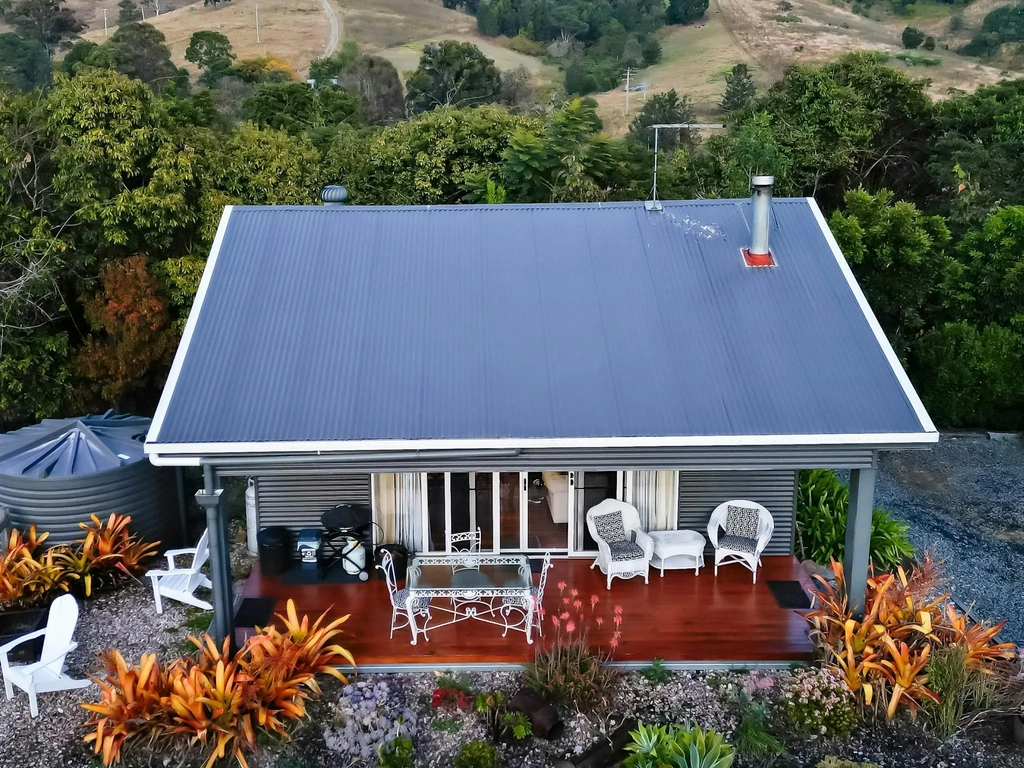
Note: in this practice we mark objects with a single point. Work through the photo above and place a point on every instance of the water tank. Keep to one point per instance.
(55, 474)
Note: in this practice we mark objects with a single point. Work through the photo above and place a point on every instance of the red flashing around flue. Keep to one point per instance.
(757, 259)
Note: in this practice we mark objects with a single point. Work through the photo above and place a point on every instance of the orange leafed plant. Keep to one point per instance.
(214, 702)
(882, 657)
(25, 576)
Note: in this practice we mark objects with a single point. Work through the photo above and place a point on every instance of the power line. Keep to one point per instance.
(653, 204)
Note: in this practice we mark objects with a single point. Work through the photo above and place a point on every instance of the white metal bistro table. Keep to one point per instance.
(480, 579)
(678, 549)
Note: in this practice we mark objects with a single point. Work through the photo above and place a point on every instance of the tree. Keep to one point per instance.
(377, 81)
(487, 20)
(993, 259)
(912, 37)
(685, 11)
(140, 51)
(454, 74)
(929, 43)
(664, 108)
(329, 68)
(267, 167)
(578, 80)
(739, 88)
(443, 156)
(132, 337)
(128, 12)
(211, 52)
(47, 21)
(898, 256)
(298, 107)
(214, 3)
(23, 63)
(971, 378)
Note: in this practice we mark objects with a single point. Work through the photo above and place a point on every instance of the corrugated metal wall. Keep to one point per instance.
(298, 501)
(701, 492)
(58, 505)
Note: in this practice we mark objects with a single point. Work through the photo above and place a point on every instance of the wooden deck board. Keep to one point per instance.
(679, 618)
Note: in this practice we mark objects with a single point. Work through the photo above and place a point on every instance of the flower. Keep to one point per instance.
(617, 619)
(618, 610)
(613, 643)
(577, 604)
(565, 600)
(570, 627)
(565, 614)
(574, 592)
(561, 586)
(555, 620)
(600, 621)
(593, 601)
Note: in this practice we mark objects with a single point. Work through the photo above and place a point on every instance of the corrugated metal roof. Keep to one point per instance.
(73, 447)
(522, 322)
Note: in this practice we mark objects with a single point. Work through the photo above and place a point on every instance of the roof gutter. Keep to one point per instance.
(279, 461)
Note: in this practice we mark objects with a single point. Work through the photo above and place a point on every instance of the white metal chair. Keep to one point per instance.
(509, 604)
(747, 527)
(623, 548)
(47, 674)
(465, 543)
(398, 597)
(181, 583)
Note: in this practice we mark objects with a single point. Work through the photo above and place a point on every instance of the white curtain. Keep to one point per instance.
(656, 498)
(399, 500)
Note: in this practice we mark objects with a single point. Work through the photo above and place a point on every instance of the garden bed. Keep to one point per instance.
(700, 697)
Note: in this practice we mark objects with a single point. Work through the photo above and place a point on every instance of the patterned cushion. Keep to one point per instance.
(741, 521)
(609, 527)
(400, 596)
(625, 550)
(738, 543)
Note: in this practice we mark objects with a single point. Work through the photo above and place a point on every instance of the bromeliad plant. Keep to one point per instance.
(215, 703)
(883, 657)
(107, 554)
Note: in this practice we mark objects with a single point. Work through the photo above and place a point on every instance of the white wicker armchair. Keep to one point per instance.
(746, 534)
(623, 548)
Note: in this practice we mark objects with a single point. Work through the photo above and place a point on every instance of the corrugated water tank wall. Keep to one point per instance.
(298, 501)
(701, 492)
(58, 504)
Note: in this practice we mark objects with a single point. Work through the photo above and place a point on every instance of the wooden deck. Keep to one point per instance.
(682, 618)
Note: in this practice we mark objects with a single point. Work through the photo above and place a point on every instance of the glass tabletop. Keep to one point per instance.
(481, 572)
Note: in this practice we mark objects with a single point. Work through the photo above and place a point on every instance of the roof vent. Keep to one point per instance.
(758, 254)
(334, 195)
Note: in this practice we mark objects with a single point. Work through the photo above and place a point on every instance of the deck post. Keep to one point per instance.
(858, 537)
(220, 562)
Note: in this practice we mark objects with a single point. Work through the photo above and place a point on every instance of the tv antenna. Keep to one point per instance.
(653, 204)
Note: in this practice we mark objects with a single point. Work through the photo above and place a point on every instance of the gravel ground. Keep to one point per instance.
(126, 620)
(964, 499)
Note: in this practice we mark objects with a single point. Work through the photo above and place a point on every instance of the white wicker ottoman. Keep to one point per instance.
(678, 549)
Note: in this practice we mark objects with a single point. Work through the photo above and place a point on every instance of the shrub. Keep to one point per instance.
(523, 44)
(516, 725)
(653, 746)
(657, 673)
(566, 667)
(214, 702)
(752, 738)
(105, 556)
(822, 505)
(835, 762)
(912, 38)
(929, 43)
(816, 702)
(787, 18)
(917, 59)
(882, 657)
(965, 691)
(476, 754)
(397, 753)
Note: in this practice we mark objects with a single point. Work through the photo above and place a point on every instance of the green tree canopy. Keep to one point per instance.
(23, 63)
(452, 74)
(297, 107)
(912, 37)
(128, 12)
(739, 88)
(140, 51)
(993, 259)
(50, 22)
(685, 11)
(210, 51)
(665, 109)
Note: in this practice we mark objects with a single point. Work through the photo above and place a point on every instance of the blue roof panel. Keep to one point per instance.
(527, 321)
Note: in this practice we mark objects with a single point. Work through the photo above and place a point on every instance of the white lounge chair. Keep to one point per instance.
(747, 530)
(623, 548)
(47, 674)
(181, 583)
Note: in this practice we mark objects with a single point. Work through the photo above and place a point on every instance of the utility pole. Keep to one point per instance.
(104, 22)
(629, 72)
(257, 5)
(653, 204)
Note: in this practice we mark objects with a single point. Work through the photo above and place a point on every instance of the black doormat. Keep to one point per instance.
(302, 577)
(255, 612)
(789, 594)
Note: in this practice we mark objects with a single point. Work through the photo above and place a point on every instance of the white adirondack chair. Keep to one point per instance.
(181, 583)
(47, 674)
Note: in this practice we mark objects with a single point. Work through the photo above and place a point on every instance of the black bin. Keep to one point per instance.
(400, 557)
(272, 544)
